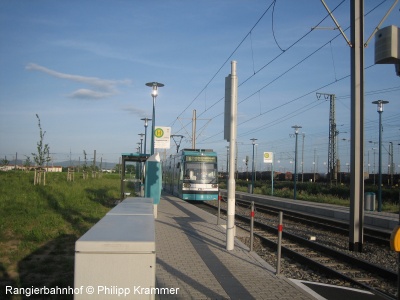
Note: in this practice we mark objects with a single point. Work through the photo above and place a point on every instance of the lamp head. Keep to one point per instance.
(380, 104)
(155, 86)
(145, 121)
(296, 128)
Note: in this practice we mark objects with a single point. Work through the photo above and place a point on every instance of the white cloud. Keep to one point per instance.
(136, 111)
(105, 87)
(89, 94)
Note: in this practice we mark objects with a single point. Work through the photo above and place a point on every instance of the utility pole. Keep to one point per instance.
(302, 158)
(194, 130)
(391, 164)
(94, 160)
(332, 155)
(356, 224)
(230, 134)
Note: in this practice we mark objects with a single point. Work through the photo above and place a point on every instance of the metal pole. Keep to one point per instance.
(272, 176)
(252, 226)
(230, 225)
(252, 173)
(194, 129)
(380, 163)
(153, 125)
(219, 207)
(145, 133)
(302, 159)
(154, 93)
(295, 169)
(357, 126)
(252, 168)
(145, 139)
(280, 228)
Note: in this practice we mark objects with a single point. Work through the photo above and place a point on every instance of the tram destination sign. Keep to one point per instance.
(201, 158)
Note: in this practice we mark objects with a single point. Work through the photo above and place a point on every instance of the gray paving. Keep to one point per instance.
(192, 258)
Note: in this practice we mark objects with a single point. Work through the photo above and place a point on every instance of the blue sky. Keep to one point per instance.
(82, 67)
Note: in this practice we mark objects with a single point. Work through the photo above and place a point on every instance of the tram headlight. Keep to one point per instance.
(215, 185)
(186, 185)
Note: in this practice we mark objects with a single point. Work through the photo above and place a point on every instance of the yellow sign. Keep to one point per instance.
(162, 137)
(268, 157)
(159, 132)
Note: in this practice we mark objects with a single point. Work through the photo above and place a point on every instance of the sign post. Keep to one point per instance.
(269, 159)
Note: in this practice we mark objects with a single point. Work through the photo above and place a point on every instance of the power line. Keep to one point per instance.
(224, 63)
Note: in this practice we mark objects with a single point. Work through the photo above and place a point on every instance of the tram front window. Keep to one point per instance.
(200, 173)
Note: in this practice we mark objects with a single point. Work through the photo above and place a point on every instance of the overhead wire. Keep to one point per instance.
(255, 72)
(276, 57)
(224, 63)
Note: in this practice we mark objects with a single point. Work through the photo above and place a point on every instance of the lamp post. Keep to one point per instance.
(296, 132)
(154, 93)
(252, 167)
(146, 123)
(141, 142)
(380, 104)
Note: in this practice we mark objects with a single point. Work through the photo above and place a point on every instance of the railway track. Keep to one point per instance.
(370, 234)
(323, 259)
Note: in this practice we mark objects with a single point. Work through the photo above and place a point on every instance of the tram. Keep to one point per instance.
(192, 174)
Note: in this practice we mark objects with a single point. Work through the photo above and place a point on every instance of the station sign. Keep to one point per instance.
(268, 157)
(162, 137)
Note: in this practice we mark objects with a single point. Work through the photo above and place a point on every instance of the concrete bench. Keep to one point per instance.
(117, 256)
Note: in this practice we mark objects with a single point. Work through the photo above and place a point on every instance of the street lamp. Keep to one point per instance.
(154, 93)
(141, 142)
(380, 104)
(296, 132)
(252, 168)
(146, 123)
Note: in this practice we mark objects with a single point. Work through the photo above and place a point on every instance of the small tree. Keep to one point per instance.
(5, 161)
(27, 162)
(85, 160)
(43, 150)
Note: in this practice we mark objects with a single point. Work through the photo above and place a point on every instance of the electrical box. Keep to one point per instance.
(387, 48)
(115, 258)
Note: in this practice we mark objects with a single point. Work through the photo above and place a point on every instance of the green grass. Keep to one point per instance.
(40, 224)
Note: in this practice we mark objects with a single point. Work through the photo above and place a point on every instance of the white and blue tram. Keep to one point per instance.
(192, 174)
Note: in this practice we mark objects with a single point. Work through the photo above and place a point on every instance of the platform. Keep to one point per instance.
(193, 261)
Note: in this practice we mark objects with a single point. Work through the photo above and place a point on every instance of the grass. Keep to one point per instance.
(40, 224)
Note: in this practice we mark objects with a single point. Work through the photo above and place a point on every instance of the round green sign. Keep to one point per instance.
(159, 132)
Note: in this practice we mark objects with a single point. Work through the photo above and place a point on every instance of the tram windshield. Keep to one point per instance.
(200, 172)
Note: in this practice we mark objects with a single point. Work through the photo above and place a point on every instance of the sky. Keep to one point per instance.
(82, 67)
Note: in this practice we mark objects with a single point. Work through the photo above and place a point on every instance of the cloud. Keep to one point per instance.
(105, 88)
(135, 111)
(89, 94)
